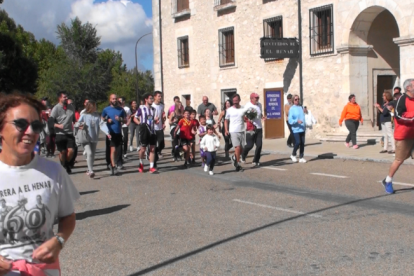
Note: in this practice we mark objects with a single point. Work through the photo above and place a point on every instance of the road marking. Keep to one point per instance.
(276, 208)
(400, 183)
(330, 175)
(273, 168)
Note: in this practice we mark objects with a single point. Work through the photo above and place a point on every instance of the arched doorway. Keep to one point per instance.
(374, 58)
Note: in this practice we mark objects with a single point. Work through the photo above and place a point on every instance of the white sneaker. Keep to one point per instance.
(125, 155)
(242, 160)
(206, 168)
(131, 148)
(137, 148)
(294, 160)
(302, 160)
(210, 173)
(255, 164)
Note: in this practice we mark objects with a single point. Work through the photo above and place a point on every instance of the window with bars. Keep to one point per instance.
(273, 27)
(183, 52)
(321, 30)
(182, 5)
(226, 46)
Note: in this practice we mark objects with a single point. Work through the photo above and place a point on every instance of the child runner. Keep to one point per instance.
(202, 130)
(195, 124)
(186, 136)
(145, 116)
(210, 143)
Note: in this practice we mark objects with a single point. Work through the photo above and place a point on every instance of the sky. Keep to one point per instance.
(118, 25)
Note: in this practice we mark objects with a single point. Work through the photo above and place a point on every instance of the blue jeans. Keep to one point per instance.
(299, 143)
(211, 159)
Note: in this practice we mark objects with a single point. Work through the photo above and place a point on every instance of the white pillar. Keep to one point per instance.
(406, 57)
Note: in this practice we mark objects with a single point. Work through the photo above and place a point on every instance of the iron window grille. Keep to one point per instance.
(183, 52)
(222, 2)
(182, 5)
(226, 46)
(273, 27)
(321, 30)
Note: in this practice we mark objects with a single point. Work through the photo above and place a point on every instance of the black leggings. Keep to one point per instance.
(352, 126)
(227, 145)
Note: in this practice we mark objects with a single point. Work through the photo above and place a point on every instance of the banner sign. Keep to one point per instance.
(279, 47)
(273, 104)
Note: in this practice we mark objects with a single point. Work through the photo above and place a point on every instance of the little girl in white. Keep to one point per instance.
(210, 143)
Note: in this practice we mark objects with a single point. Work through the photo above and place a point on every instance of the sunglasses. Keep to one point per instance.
(22, 125)
(297, 99)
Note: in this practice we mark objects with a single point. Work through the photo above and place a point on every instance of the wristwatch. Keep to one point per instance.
(60, 240)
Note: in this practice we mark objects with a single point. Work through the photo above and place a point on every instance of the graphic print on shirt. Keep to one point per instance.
(23, 222)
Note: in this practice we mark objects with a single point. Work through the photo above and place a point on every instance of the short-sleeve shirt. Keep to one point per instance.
(172, 109)
(128, 114)
(202, 108)
(32, 198)
(258, 121)
(110, 112)
(146, 116)
(159, 111)
(63, 115)
(185, 128)
(236, 119)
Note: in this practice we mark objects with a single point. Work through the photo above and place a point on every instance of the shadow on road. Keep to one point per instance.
(88, 192)
(100, 212)
(252, 231)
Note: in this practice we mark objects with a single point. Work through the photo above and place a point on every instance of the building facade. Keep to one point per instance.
(212, 48)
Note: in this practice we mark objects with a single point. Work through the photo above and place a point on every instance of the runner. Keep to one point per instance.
(63, 116)
(121, 101)
(159, 127)
(235, 117)
(133, 127)
(195, 124)
(254, 134)
(221, 121)
(146, 118)
(187, 132)
(114, 116)
(202, 131)
(210, 144)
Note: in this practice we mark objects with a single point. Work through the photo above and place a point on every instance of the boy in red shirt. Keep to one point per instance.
(187, 134)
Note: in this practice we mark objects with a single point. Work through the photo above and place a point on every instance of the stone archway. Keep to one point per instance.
(372, 56)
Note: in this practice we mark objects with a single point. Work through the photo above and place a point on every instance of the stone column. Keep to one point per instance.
(406, 57)
(157, 46)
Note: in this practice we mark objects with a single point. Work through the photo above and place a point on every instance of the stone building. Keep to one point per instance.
(212, 47)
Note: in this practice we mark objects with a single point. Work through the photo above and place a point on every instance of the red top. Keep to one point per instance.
(404, 114)
(77, 115)
(185, 129)
(196, 125)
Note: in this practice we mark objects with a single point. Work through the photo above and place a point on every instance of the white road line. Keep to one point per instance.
(330, 175)
(277, 208)
(273, 168)
(400, 183)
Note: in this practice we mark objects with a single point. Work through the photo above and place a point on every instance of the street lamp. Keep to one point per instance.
(136, 63)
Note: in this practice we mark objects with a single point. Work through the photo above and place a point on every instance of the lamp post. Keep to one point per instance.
(136, 64)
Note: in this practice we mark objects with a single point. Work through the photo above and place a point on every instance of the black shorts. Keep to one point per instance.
(65, 141)
(146, 137)
(116, 139)
(187, 142)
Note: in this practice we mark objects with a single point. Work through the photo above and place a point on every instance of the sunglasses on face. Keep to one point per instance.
(22, 125)
(297, 99)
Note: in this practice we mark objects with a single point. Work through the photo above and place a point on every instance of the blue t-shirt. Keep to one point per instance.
(110, 112)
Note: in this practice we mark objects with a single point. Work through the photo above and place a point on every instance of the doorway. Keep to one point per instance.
(227, 94)
(384, 83)
(273, 109)
(186, 100)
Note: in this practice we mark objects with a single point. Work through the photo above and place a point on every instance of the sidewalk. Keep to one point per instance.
(315, 148)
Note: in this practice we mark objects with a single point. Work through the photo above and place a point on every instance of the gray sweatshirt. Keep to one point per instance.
(63, 117)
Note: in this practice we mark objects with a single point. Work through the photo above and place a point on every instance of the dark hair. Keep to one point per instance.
(186, 110)
(210, 127)
(60, 93)
(146, 96)
(289, 96)
(130, 103)
(16, 99)
(236, 95)
(176, 97)
(189, 108)
(157, 93)
(201, 117)
(388, 96)
(122, 99)
(351, 96)
(193, 111)
(224, 105)
(398, 88)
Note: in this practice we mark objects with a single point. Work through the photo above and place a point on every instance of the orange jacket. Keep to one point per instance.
(351, 112)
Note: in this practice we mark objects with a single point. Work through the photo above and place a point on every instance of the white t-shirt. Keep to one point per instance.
(32, 197)
(258, 121)
(159, 110)
(236, 119)
(128, 113)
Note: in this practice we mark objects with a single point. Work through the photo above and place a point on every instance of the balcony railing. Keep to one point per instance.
(224, 4)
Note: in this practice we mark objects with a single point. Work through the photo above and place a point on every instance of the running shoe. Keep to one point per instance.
(92, 175)
(302, 160)
(256, 164)
(234, 161)
(206, 168)
(210, 173)
(294, 160)
(242, 160)
(131, 148)
(141, 168)
(239, 168)
(388, 187)
(356, 147)
(112, 170)
(347, 145)
(153, 170)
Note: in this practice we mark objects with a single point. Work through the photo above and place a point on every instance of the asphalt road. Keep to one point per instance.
(325, 217)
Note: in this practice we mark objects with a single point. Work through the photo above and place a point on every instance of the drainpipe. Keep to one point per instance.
(161, 66)
(300, 51)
